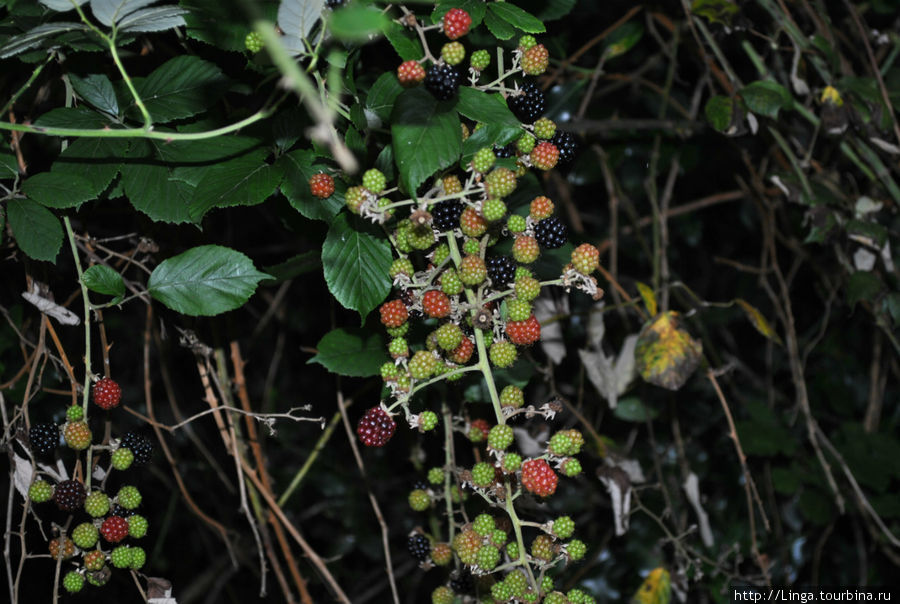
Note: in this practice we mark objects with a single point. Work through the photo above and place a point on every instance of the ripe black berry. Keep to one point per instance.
(118, 510)
(419, 546)
(375, 428)
(529, 105)
(501, 270)
(551, 233)
(334, 3)
(566, 144)
(442, 81)
(463, 583)
(505, 151)
(140, 445)
(445, 214)
(69, 495)
(44, 438)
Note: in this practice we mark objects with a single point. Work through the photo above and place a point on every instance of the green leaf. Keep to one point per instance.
(62, 5)
(719, 112)
(97, 160)
(383, 94)
(37, 230)
(9, 168)
(862, 286)
(766, 98)
(158, 18)
(356, 23)
(109, 12)
(72, 117)
(298, 168)
(489, 109)
(223, 24)
(763, 433)
(786, 480)
(56, 190)
(404, 42)
(205, 281)
(356, 259)
(623, 39)
(516, 17)
(715, 11)
(498, 27)
(244, 181)
(488, 136)
(151, 190)
(103, 280)
(426, 137)
(36, 35)
(475, 8)
(864, 229)
(892, 302)
(296, 19)
(351, 352)
(758, 321)
(633, 409)
(555, 9)
(97, 90)
(294, 266)
(181, 87)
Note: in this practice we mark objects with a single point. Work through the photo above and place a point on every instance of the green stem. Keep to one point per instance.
(148, 121)
(34, 74)
(311, 458)
(517, 529)
(448, 465)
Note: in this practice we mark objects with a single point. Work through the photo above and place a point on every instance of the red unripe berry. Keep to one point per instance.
(114, 529)
(524, 333)
(539, 478)
(321, 185)
(393, 313)
(436, 304)
(456, 23)
(106, 393)
(410, 73)
(375, 428)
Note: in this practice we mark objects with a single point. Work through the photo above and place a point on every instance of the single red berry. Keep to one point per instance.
(544, 156)
(410, 73)
(456, 23)
(472, 223)
(524, 333)
(393, 313)
(479, 430)
(535, 60)
(436, 304)
(376, 427)
(321, 185)
(114, 529)
(538, 477)
(107, 393)
(462, 353)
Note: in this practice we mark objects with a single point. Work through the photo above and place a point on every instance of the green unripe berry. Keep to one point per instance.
(137, 526)
(451, 283)
(73, 581)
(563, 527)
(547, 584)
(122, 458)
(576, 549)
(121, 556)
(374, 180)
(85, 535)
(396, 332)
(484, 160)
(493, 210)
(511, 462)
(138, 557)
(500, 437)
(525, 143)
(398, 348)
(483, 524)
(40, 491)
(483, 474)
(129, 497)
(436, 476)
(471, 247)
(488, 557)
(571, 467)
(518, 310)
(419, 500)
(253, 42)
(428, 420)
(441, 253)
(453, 53)
(75, 413)
(544, 128)
(442, 595)
(527, 41)
(512, 396)
(502, 354)
(401, 266)
(516, 223)
(480, 59)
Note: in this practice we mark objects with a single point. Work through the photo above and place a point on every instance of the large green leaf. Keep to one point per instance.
(298, 168)
(500, 125)
(351, 352)
(97, 90)
(356, 259)
(56, 190)
(244, 181)
(517, 17)
(151, 191)
(356, 23)
(97, 160)
(205, 281)
(862, 286)
(72, 117)
(426, 137)
(181, 87)
(37, 231)
(35, 36)
(383, 94)
(404, 42)
(766, 98)
(498, 26)
(296, 19)
(555, 9)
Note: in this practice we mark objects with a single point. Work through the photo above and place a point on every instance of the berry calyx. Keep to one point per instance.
(539, 478)
(410, 73)
(114, 529)
(456, 23)
(106, 393)
(321, 185)
(375, 428)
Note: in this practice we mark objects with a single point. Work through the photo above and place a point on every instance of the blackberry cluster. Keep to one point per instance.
(566, 144)
(69, 495)
(505, 151)
(551, 233)
(501, 270)
(419, 547)
(442, 81)
(529, 105)
(445, 214)
(140, 445)
(44, 438)
(118, 510)
(463, 583)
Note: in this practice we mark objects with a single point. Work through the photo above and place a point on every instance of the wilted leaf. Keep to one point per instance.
(667, 355)
(759, 321)
(648, 296)
(656, 588)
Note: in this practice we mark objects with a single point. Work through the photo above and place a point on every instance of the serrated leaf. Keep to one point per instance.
(244, 181)
(356, 23)
(62, 6)
(498, 26)
(516, 17)
(666, 355)
(656, 588)
(180, 88)
(404, 42)
(36, 35)
(862, 286)
(766, 98)
(555, 9)
(298, 168)
(719, 111)
(97, 160)
(158, 18)
(355, 261)
(296, 19)
(72, 117)
(758, 321)
(56, 190)
(109, 12)
(97, 90)
(489, 109)
(151, 190)
(648, 297)
(205, 281)
(36, 229)
(426, 137)
(383, 94)
(103, 280)
(351, 352)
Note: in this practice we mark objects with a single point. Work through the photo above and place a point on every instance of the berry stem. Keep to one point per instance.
(449, 462)
(87, 324)
(517, 529)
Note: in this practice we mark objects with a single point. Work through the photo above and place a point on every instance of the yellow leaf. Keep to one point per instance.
(759, 321)
(666, 355)
(831, 95)
(656, 588)
(649, 298)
